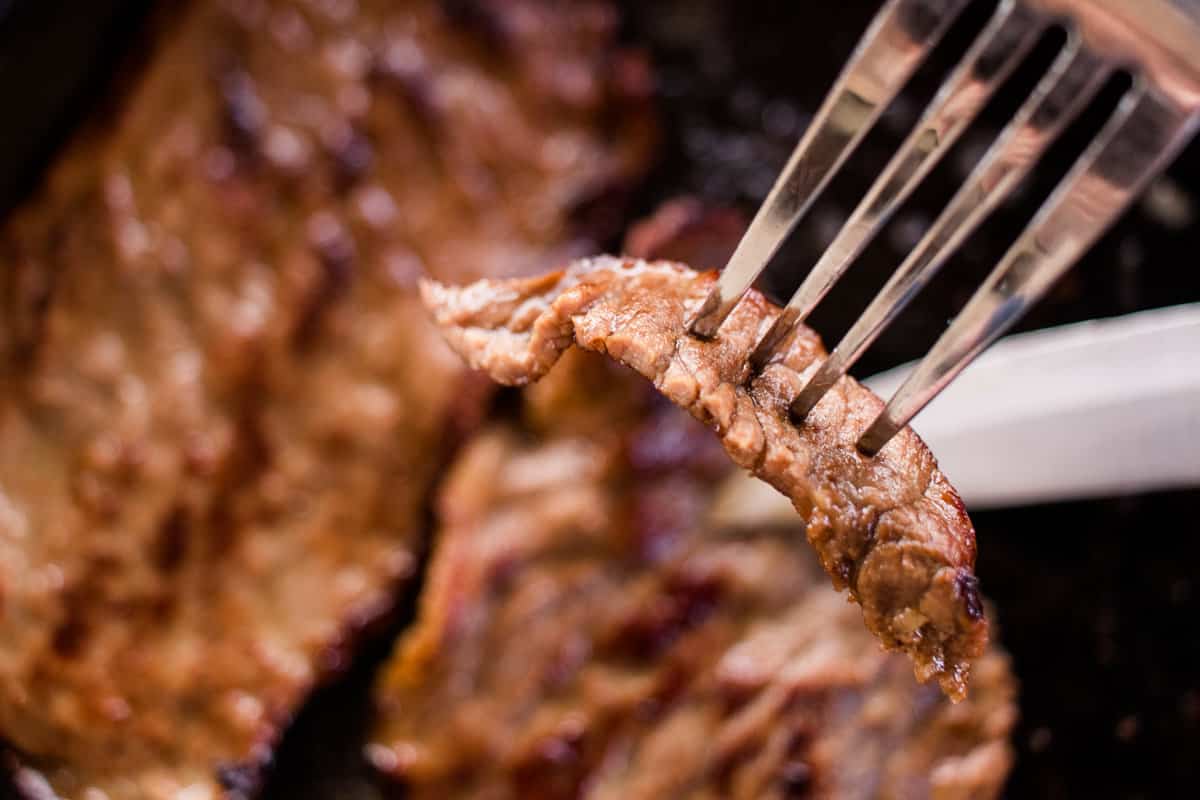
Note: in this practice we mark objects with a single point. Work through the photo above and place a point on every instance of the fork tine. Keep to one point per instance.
(1072, 81)
(1000, 46)
(899, 39)
(1142, 137)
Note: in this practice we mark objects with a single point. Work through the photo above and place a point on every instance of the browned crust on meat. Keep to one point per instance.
(221, 406)
(889, 528)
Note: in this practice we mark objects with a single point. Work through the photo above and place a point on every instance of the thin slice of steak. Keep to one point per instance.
(221, 404)
(609, 615)
(889, 528)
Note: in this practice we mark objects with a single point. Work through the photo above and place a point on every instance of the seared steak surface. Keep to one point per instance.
(221, 406)
(889, 528)
(595, 626)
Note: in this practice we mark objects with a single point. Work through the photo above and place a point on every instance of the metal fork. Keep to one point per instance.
(1158, 41)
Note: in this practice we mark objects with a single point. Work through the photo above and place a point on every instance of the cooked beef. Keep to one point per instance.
(890, 528)
(588, 629)
(221, 405)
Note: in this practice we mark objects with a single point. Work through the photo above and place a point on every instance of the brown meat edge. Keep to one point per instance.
(245, 779)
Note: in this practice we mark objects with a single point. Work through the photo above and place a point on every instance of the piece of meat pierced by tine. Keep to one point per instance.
(890, 528)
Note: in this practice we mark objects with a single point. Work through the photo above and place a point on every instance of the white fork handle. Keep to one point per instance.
(1100, 408)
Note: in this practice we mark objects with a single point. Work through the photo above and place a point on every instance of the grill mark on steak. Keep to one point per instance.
(891, 529)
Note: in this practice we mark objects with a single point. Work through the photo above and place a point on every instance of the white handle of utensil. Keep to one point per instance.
(1100, 408)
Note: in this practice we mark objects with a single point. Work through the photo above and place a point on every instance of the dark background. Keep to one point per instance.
(1097, 601)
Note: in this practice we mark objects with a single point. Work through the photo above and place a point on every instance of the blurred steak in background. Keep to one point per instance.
(221, 405)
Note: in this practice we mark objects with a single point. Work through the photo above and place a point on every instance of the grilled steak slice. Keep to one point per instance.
(221, 405)
(890, 528)
(590, 629)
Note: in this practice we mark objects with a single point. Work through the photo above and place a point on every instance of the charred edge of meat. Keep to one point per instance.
(244, 780)
(967, 586)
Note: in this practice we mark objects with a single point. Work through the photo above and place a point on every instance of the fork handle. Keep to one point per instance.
(1107, 407)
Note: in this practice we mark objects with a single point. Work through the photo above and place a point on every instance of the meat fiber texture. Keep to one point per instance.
(890, 528)
(610, 614)
(221, 406)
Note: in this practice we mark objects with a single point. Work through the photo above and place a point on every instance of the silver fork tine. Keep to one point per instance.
(1000, 46)
(901, 36)
(1145, 133)
(1072, 81)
